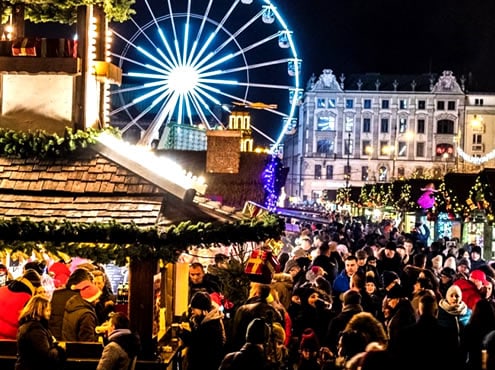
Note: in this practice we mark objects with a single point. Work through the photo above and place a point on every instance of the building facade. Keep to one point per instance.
(376, 128)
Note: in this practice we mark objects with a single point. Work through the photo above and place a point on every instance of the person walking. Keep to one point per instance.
(122, 346)
(36, 347)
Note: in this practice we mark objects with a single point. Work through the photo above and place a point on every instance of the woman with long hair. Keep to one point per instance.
(36, 346)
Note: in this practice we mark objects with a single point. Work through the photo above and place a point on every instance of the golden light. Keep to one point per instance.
(476, 122)
(368, 150)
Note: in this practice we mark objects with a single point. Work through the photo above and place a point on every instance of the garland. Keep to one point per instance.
(107, 242)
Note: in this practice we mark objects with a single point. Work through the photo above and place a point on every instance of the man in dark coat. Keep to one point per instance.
(80, 320)
(255, 307)
(60, 298)
(252, 355)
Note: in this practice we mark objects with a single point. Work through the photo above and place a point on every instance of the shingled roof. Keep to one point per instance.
(91, 187)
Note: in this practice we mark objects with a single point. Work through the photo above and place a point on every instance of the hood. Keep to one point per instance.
(127, 340)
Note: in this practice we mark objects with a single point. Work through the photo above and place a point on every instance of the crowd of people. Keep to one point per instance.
(49, 305)
(351, 297)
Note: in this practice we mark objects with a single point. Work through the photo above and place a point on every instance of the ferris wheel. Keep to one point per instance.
(193, 62)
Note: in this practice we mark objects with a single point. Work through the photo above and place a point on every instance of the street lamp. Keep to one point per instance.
(396, 150)
(348, 166)
(368, 151)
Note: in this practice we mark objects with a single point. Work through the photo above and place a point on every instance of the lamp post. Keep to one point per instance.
(347, 170)
(369, 151)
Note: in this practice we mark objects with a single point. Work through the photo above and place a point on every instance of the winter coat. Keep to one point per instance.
(338, 324)
(470, 294)
(453, 317)
(79, 321)
(254, 308)
(122, 347)
(249, 357)
(13, 298)
(59, 299)
(36, 348)
(205, 342)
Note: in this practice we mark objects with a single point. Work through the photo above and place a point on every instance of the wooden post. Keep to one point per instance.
(141, 303)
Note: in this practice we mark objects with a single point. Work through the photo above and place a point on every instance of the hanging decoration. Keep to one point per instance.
(475, 159)
(427, 199)
(274, 176)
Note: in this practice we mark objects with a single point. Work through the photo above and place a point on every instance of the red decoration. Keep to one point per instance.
(261, 266)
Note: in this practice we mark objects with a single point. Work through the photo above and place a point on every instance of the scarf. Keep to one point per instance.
(453, 309)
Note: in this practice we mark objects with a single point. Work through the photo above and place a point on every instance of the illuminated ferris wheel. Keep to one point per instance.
(192, 62)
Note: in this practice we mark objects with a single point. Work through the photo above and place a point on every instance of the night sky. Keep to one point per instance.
(396, 36)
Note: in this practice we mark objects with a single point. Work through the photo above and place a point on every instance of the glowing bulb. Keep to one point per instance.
(183, 79)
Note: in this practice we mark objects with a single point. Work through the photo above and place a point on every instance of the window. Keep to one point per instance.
(364, 173)
(320, 103)
(331, 103)
(401, 172)
(420, 150)
(382, 173)
(445, 126)
(421, 104)
(325, 123)
(349, 103)
(421, 126)
(444, 148)
(367, 104)
(366, 147)
(366, 124)
(402, 149)
(385, 104)
(440, 105)
(317, 171)
(329, 172)
(477, 139)
(384, 125)
(403, 104)
(349, 124)
(324, 146)
(402, 125)
(451, 105)
(384, 148)
(478, 101)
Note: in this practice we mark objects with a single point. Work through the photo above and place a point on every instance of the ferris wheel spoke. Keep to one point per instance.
(198, 103)
(162, 116)
(233, 55)
(176, 41)
(245, 67)
(215, 32)
(238, 32)
(199, 33)
(172, 61)
(262, 134)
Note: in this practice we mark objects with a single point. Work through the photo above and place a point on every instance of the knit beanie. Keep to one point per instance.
(257, 331)
(309, 340)
(201, 301)
(60, 274)
(388, 277)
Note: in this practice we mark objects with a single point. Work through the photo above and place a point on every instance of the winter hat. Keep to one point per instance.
(88, 290)
(449, 272)
(299, 252)
(396, 292)
(450, 262)
(290, 264)
(33, 277)
(478, 275)
(388, 277)
(391, 245)
(476, 249)
(465, 262)
(309, 340)
(60, 273)
(201, 301)
(257, 331)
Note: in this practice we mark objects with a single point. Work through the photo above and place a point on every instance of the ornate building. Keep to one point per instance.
(377, 128)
